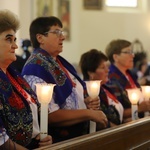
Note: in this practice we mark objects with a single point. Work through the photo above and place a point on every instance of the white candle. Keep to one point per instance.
(44, 93)
(134, 96)
(146, 92)
(43, 120)
(93, 89)
(134, 110)
(92, 127)
(146, 95)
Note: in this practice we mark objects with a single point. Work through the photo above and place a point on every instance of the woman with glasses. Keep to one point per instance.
(121, 57)
(68, 113)
(94, 66)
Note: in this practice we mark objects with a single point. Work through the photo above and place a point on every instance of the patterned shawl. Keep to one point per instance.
(48, 69)
(15, 112)
(110, 110)
(118, 83)
(42, 65)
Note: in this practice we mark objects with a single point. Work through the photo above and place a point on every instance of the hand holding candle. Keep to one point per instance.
(44, 93)
(93, 89)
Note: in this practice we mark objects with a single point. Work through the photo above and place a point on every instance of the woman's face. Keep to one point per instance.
(125, 58)
(52, 42)
(7, 47)
(101, 72)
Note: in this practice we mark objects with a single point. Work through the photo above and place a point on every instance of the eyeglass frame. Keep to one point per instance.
(127, 52)
(59, 33)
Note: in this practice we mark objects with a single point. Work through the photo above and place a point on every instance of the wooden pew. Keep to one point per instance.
(130, 136)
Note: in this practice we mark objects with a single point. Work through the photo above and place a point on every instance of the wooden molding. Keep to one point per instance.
(134, 135)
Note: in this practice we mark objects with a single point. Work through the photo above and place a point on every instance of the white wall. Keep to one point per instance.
(89, 28)
(14, 7)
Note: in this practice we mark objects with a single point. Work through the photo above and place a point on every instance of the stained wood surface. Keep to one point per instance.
(130, 136)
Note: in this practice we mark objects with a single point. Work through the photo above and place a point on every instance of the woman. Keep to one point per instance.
(121, 57)
(19, 128)
(68, 115)
(94, 66)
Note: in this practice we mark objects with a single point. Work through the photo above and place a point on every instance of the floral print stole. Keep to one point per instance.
(15, 111)
(48, 69)
(118, 83)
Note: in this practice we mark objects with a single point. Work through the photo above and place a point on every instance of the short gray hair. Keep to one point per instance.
(8, 20)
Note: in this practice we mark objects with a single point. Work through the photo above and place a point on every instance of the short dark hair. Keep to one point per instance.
(90, 61)
(42, 25)
(115, 47)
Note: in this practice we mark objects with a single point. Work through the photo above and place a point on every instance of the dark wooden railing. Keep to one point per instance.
(130, 136)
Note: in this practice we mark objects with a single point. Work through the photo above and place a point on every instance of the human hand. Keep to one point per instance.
(100, 118)
(93, 104)
(46, 141)
(144, 106)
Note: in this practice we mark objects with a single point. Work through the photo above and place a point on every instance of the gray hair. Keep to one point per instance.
(8, 20)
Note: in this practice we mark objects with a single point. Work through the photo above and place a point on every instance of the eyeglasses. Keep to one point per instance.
(128, 52)
(59, 33)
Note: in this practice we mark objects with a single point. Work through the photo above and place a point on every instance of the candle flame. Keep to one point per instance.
(134, 95)
(146, 92)
(44, 92)
(93, 88)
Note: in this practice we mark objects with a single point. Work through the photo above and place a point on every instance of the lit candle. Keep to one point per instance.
(93, 89)
(146, 92)
(146, 95)
(134, 96)
(44, 93)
